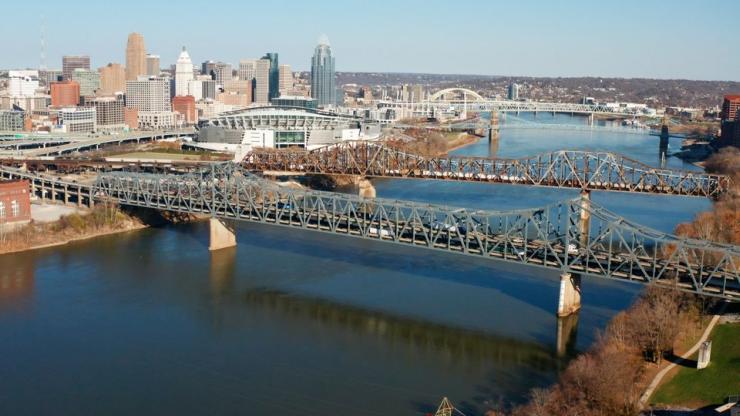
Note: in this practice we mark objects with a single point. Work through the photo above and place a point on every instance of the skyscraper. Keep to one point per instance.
(246, 69)
(112, 79)
(274, 75)
(323, 83)
(89, 81)
(286, 80)
(513, 91)
(152, 65)
(183, 73)
(262, 82)
(135, 57)
(72, 62)
(152, 95)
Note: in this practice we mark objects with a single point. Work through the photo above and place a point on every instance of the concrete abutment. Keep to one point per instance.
(222, 234)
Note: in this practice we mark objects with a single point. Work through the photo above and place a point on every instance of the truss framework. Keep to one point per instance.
(548, 237)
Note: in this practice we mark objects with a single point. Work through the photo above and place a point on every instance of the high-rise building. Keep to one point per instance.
(513, 91)
(183, 74)
(273, 86)
(286, 80)
(72, 62)
(65, 94)
(323, 82)
(109, 112)
(208, 68)
(47, 76)
(246, 69)
(152, 65)
(76, 119)
(112, 79)
(135, 57)
(89, 81)
(730, 106)
(262, 82)
(222, 72)
(185, 105)
(148, 95)
(22, 86)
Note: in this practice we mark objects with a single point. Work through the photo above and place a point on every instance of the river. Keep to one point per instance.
(299, 323)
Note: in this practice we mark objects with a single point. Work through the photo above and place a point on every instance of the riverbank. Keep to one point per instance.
(99, 221)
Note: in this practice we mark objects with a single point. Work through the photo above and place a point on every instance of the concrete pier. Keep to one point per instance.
(570, 294)
(584, 226)
(222, 235)
(367, 190)
(493, 128)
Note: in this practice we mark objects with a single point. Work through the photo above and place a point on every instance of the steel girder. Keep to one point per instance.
(569, 169)
(548, 237)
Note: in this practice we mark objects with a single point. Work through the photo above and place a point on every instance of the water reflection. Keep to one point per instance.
(17, 282)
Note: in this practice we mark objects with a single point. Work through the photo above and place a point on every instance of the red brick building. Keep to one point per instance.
(65, 94)
(15, 202)
(131, 117)
(730, 106)
(185, 105)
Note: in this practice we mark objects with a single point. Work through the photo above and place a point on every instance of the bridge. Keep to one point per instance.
(562, 169)
(474, 102)
(69, 143)
(576, 237)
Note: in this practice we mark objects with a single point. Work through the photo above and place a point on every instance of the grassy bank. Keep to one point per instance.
(695, 388)
(103, 219)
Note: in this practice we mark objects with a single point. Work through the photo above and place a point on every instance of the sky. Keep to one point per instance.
(685, 39)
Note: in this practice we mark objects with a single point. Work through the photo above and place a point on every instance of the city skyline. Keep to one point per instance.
(580, 39)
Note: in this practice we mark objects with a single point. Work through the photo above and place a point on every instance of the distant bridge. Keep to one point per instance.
(474, 102)
(562, 169)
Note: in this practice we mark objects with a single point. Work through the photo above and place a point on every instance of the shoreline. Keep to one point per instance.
(74, 239)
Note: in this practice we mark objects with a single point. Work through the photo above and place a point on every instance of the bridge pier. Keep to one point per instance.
(367, 190)
(591, 119)
(570, 294)
(493, 129)
(567, 330)
(222, 235)
(584, 226)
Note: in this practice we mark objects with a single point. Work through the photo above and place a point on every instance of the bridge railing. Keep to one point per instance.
(553, 236)
(574, 169)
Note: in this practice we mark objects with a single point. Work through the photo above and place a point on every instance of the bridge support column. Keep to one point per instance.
(367, 190)
(570, 294)
(584, 226)
(567, 333)
(591, 119)
(493, 129)
(222, 235)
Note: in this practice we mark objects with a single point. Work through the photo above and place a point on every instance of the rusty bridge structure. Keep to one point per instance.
(563, 169)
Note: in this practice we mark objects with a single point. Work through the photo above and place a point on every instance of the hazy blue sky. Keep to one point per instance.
(648, 38)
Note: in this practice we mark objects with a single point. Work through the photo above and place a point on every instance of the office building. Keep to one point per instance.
(72, 62)
(12, 120)
(286, 80)
(148, 95)
(222, 72)
(208, 68)
(112, 79)
(730, 106)
(89, 81)
(185, 105)
(246, 69)
(155, 120)
(273, 85)
(183, 73)
(135, 57)
(47, 76)
(22, 86)
(65, 94)
(109, 112)
(513, 91)
(152, 65)
(323, 82)
(131, 118)
(75, 119)
(262, 82)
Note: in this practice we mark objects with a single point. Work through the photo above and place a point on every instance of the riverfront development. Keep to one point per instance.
(268, 239)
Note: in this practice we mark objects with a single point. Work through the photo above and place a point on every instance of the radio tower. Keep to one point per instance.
(42, 63)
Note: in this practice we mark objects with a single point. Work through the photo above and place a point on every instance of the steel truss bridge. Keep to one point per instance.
(551, 236)
(562, 169)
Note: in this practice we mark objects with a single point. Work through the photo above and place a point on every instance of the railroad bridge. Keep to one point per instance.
(575, 237)
(563, 169)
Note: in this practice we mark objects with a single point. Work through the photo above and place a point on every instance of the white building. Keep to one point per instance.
(149, 95)
(24, 86)
(155, 120)
(76, 119)
(246, 69)
(183, 74)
